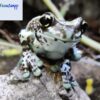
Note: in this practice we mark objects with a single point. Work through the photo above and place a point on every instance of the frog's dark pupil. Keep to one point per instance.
(84, 27)
(46, 21)
(55, 39)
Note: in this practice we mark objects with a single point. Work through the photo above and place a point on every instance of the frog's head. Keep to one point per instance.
(78, 24)
(73, 30)
(55, 29)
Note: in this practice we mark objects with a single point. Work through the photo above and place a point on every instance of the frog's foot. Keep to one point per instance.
(54, 68)
(37, 72)
(67, 85)
(18, 74)
(40, 63)
(34, 63)
(67, 77)
(26, 75)
(71, 84)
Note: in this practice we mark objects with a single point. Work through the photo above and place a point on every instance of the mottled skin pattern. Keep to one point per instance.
(48, 37)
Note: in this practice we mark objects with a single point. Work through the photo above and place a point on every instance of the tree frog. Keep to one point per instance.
(47, 36)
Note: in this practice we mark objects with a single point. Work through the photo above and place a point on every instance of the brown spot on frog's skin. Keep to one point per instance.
(25, 49)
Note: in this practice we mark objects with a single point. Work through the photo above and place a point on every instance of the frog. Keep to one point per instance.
(50, 38)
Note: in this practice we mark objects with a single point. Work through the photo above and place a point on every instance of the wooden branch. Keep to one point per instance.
(54, 10)
(13, 49)
(44, 88)
(6, 36)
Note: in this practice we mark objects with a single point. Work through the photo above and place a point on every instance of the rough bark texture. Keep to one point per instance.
(42, 88)
(31, 90)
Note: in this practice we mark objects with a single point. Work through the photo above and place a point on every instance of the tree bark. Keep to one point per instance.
(43, 88)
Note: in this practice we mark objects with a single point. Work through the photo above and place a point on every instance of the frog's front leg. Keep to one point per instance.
(67, 77)
(34, 63)
(29, 64)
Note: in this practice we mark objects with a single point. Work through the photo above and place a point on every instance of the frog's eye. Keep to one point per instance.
(46, 20)
(83, 26)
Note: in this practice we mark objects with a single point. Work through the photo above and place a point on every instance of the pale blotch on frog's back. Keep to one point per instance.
(61, 31)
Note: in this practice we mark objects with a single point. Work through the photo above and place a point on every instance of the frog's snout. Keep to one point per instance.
(83, 26)
(79, 24)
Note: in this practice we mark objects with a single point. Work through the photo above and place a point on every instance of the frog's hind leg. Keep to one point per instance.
(70, 86)
(28, 65)
(67, 77)
(35, 64)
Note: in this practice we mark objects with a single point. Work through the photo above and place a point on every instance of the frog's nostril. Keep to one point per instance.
(83, 26)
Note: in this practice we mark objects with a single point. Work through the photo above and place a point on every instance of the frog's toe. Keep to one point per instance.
(13, 79)
(40, 63)
(26, 75)
(74, 83)
(67, 85)
(37, 72)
